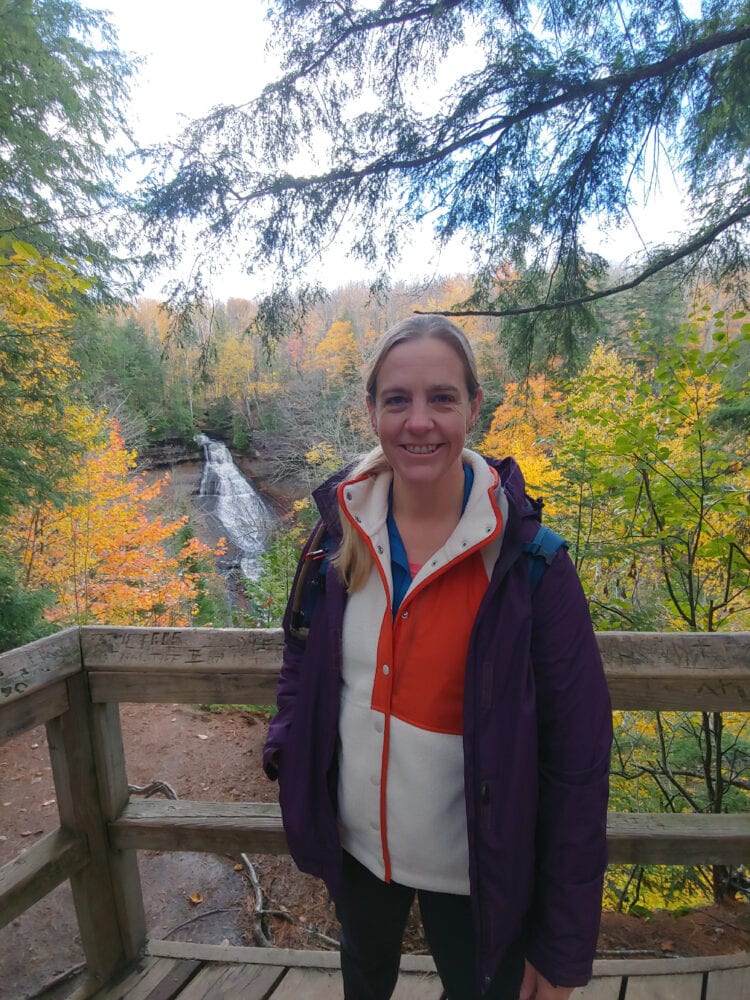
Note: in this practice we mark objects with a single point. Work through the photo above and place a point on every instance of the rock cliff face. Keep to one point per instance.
(163, 456)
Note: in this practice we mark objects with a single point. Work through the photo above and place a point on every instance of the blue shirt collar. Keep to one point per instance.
(400, 571)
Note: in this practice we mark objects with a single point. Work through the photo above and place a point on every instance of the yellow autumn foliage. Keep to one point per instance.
(338, 354)
(523, 426)
(35, 362)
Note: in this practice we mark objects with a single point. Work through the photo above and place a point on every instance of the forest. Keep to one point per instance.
(630, 416)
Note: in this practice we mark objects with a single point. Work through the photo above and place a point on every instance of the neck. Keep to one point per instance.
(429, 501)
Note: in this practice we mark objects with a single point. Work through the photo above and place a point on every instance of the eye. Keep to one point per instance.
(394, 400)
(444, 399)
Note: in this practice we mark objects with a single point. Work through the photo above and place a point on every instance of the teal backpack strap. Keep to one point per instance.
(540, 552)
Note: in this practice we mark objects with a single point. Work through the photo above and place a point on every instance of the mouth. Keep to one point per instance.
(420, 449)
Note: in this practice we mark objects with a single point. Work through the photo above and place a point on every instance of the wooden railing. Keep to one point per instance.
(74, 681)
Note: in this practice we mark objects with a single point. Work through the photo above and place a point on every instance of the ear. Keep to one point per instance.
(474, 407)
(373, 415)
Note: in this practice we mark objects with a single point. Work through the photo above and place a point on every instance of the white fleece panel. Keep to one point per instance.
(427, 838)
(361, 730)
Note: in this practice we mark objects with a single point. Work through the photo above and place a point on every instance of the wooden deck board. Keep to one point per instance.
(192, 971)
(607, 988)
(418, 986)
(312, 984)
(151, 979)
(171, 985)
(729, 984)
(287, 957)
(632, 967)
(217, 981)
(688, 987)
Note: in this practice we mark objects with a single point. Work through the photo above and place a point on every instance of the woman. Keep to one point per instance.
(442, 731)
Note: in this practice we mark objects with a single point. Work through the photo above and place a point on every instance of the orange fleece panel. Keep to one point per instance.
(426, 649)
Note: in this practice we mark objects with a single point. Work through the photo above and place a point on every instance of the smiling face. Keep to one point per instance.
(421, 412)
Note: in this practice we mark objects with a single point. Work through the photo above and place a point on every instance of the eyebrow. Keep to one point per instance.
(447, 387)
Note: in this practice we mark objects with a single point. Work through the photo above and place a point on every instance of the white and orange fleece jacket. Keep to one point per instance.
(401, 803)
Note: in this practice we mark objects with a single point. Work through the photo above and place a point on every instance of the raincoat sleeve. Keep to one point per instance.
(575, 736)
(288, 683)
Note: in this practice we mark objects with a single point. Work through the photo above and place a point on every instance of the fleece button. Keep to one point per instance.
(379, 725)
(386, 669)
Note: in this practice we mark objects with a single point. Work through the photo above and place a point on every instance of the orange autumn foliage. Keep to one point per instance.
(102, 556)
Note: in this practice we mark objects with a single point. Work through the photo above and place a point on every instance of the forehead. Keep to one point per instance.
(424, 361)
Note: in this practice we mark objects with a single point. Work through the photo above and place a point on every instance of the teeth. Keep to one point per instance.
(421, 449)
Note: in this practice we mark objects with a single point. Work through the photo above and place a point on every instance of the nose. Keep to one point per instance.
(419, 418)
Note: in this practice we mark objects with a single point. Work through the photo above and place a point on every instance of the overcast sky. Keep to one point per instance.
(196, 56)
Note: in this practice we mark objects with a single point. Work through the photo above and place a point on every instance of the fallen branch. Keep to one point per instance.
(314, 932)
(282, 915)
(259, 935)
(200, 916)
(154, 788)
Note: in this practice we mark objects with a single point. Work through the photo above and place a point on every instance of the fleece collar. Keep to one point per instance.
(365, 503)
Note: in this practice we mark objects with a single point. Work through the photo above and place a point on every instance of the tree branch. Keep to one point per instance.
(686, 250)
(618, 82)
(364, 27)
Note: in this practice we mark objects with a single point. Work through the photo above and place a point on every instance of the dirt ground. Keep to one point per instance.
(210, 898)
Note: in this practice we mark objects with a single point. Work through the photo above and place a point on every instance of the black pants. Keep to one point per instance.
(373, 916)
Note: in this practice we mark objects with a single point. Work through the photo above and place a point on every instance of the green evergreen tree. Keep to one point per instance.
(21, 618)
(63, 91)
(122, 370)
(512, 123)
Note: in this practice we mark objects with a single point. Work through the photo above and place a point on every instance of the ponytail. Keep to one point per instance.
(353, 559)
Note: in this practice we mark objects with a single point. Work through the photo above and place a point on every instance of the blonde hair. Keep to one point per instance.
(353, 559)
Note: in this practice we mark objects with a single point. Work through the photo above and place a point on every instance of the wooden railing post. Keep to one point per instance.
(109, 757)
(106, 892)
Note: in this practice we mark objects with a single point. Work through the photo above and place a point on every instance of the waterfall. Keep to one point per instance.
(228, 498)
